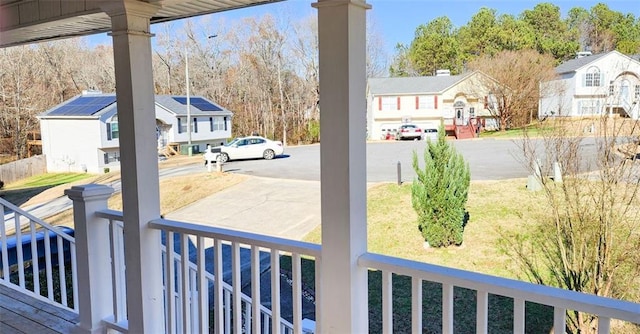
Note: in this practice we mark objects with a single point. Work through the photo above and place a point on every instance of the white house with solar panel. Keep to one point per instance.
(82, 134)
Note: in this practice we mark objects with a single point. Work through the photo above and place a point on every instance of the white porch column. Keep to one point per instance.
(139, 162)
(95, 300)
(343, 285)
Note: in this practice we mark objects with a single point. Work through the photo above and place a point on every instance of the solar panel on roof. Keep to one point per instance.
(83, 106)
(199, 103)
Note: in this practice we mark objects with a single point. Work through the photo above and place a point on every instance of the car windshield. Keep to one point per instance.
(234, 141)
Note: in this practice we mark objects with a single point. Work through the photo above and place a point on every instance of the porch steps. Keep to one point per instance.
(464, 132)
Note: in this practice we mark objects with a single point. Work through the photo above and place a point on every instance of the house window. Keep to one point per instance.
(637, 92)
(491, 102)
(182, 125)
(589, 107)
(195, 125)
(389, 103)
(218, 123)
(111, 157)
(426, 102)
(593, 77)
(112, 128)
(611, 89)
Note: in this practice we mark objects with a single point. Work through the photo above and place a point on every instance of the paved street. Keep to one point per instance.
(489, 159)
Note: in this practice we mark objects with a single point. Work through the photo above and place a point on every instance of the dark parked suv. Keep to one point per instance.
(408, 131)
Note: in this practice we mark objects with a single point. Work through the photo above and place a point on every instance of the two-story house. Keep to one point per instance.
(83, 133)
(593, 85)
(427, 101)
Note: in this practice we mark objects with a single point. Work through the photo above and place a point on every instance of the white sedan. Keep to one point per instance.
(250, 148)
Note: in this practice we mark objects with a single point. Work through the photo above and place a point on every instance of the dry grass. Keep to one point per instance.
(180, 191)
(493, 206)
(175, 193)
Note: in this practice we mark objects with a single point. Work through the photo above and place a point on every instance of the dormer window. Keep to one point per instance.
(593, 77)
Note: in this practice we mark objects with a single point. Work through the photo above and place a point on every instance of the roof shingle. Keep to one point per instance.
(413, 85)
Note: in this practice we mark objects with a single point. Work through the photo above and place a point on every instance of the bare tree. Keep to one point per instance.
(21, 100)
(376, 55)
(514, 84)
(587, 240)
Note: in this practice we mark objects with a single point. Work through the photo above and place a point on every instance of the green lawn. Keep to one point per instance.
(493, 206)
(532, 131)
(21, 191)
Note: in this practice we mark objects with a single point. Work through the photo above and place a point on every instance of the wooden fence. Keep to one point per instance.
(17, 170)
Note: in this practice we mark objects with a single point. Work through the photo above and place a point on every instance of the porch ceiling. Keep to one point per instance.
(29, 21)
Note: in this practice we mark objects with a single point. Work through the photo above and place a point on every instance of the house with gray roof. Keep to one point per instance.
(82, 133)
(428, 102)
(593, 85)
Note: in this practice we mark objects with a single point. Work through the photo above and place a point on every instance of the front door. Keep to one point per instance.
(460, 116)
(162, 133)
(459, 108)
(625, 97)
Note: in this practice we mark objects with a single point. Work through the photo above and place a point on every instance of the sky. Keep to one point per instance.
(397, 20)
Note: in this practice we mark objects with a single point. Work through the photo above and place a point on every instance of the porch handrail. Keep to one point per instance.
(248, 238)
(275, 245)
(562, 300)
(25, 223)
(228, 289)
(118, 321)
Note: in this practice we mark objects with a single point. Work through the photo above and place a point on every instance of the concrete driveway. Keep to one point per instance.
(277, 207)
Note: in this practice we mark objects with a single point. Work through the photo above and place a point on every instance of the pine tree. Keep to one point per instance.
(440, 192)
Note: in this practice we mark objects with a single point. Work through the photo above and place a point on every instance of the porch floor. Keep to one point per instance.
(20, 313)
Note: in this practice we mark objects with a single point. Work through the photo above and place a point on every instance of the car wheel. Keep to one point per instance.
(223, 157)
(269, 154)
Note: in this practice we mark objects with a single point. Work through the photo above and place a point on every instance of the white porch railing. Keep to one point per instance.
(37, 259)
(188, 304)
(484, 285)
(195, 281)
